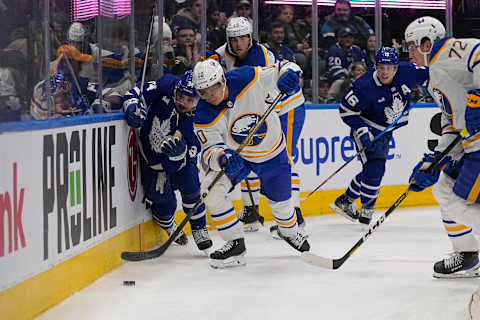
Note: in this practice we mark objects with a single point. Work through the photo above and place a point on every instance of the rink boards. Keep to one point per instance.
(70, 196)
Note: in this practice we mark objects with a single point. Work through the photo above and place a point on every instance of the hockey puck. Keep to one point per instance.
(129, 283)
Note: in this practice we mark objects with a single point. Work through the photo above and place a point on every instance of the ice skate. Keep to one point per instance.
(249, 218)
(181, 239)
(300, 222)
(232, 254)
(298, 241)
(365, 216)
(474, 306)
(345, 207)
(458, 265)
(202, 239)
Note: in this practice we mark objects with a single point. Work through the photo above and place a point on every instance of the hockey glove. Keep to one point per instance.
(174, 148)
(420, 179)
(234, 166)
(472, 112)
(289, 82)
(135, 113)
(363, 137)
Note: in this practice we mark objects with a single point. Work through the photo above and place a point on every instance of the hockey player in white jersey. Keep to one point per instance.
(455, 85)
(242, 50)
(229, 107)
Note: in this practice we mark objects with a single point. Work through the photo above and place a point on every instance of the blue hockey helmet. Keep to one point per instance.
(185, 85)
(186, 97)
(386, 55)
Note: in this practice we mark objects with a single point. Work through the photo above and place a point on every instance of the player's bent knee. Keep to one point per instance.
(282, 209)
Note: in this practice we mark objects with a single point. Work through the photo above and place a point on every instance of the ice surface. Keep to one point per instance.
(388, 277)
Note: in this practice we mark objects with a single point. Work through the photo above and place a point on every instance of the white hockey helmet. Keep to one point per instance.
(207, 73)
(76, 32)
(239, 26)
(424, 27)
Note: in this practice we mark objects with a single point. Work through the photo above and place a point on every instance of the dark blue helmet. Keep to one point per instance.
(185, 85)
(386, 55)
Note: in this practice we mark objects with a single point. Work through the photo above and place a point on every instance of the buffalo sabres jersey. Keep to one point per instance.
(250, 91)
(369, 103)
(163, 120)
(454, 70)
(258, 55)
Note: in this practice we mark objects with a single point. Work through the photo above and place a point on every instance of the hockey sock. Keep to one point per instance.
(198, 220)
(353, 190)
(254, 183)
(296, 189)
(163, 215)
(372, 177)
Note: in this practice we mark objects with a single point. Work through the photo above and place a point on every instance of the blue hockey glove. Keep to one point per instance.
(174, 148)
(472, 112)
(289, 82)
(234, 166)
(420, 179)
(364, 137)
(135, 113)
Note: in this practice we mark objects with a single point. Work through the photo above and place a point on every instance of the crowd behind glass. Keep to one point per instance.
(71, 82)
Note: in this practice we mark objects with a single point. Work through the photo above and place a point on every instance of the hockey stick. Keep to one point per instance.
(260, 218)
(327, 263)
(144, 255)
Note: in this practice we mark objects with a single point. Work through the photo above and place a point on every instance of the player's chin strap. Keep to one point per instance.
(387, 129)
(144, 255)
(327, 263)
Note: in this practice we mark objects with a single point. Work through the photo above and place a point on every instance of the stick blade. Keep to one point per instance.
(318, 261)
(144, 255)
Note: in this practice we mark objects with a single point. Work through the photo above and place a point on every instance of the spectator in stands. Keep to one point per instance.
(293, 38)
(186, 50)
(69, 90)
(77, 37)
(275, 42)
(323, 88)
(355, 71)
(371, 51)
(243, 9)
(216, 24)
(11, 107)
(188, 17)
(339, 58)
(342, 17)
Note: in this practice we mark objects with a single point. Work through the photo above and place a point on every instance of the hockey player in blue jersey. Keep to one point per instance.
(374, 101)
(230, 105)
(169, 147)
(242, 50)
(454, 66)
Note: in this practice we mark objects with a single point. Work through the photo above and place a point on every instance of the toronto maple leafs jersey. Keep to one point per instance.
(339, 60)
(454, 70)
(258, 55)
(163, 120)
(250, 91)
(369, 103)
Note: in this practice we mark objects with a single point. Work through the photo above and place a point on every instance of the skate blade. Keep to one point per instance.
(251, 227)
(341, 212)
(474, 307)
(274, 233)
(231, 262)
(458, 275)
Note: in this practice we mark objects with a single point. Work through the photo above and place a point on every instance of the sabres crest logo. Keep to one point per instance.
(242, 126)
